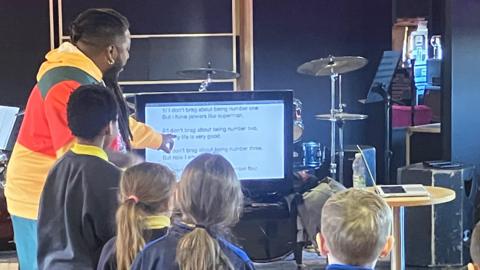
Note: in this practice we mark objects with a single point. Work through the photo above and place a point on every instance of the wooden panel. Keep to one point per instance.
(162, 17)
(246, 44)
(161, 58)
(25, 41)
(179, 87)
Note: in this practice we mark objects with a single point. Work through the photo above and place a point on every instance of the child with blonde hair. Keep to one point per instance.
(355, 230)
(210, 200)
(475, 249)
(143, 214)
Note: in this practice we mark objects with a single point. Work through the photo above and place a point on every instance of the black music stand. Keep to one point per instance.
(10, 125)
(380, 93)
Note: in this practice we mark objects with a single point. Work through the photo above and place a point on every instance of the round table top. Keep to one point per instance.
(437, 195)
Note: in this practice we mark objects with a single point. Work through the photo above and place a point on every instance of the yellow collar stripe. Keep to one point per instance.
(83, 149)
(157, 222)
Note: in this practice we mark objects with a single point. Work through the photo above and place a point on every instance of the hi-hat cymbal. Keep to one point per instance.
(203, 73)
(332, 65)
(340, 117)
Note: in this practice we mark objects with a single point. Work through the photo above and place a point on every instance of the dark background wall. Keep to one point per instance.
(431, 10)
(289, 33)
(159, 58)
(25, 37)
(462, 82)
(286, 34)
(163, 17)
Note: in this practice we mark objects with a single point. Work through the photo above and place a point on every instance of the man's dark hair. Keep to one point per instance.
(98, 27)
(89, 110)
(111, 81)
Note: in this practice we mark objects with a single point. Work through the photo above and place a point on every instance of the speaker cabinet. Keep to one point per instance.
(267, 231)
(439, 235)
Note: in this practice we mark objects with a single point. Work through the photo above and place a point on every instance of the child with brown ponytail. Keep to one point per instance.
(210, 200)
(142, 216)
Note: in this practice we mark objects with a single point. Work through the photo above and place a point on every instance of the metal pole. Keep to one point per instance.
(388, 137)
(340, 124)
(340, 151)
(340, 105)
(397, 261)
(333, 165)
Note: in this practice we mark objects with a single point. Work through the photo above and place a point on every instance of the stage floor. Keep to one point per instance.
(8, 261)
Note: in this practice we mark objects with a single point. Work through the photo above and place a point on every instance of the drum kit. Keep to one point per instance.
(308, 155)
(334, 67)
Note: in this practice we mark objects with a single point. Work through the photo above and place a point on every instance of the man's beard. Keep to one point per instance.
(110, 77)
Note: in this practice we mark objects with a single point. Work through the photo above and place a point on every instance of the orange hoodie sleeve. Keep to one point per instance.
(144, 136)
(56, 112)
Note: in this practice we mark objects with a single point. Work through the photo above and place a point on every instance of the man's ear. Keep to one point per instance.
(388, 246)
(107, 130)
(322, 244)
(112, 54)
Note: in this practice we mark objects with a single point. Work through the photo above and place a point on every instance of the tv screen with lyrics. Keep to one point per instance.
(253, 130)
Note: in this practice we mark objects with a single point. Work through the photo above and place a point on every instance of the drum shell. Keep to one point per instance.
(308, 155)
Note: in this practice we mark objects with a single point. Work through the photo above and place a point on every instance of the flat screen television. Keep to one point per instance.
(252, 129)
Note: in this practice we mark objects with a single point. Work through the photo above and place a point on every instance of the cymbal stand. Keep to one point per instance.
(203, 87)
(333, 164)
(340, 124)
(334, 122)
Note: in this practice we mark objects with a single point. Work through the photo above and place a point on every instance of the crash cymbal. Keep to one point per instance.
(204, 73)
(341, 117)
(332, 65)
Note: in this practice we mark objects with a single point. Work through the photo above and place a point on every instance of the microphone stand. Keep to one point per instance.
(413, 100)
(387, 99)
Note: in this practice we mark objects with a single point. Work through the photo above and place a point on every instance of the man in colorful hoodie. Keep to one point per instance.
(100, 43)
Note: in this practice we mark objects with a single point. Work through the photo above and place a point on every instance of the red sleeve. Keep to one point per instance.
(56, 112)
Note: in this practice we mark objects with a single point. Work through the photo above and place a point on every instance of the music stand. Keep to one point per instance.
(8, 119)
(380, 92)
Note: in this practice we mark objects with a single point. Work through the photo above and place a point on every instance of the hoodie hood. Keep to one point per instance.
(69, 55)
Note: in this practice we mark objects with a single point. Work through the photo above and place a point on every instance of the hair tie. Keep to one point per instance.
(133, 197)
(200, 226)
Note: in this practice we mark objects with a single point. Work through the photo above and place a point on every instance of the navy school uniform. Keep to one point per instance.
(77, 209)
(108, 260)
(161, 253)
(345, 267)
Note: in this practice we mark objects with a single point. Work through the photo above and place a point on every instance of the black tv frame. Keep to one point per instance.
(252, 188)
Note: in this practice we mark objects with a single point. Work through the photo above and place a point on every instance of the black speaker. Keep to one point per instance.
(439, 235)
(425, 146)
(267, 231)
